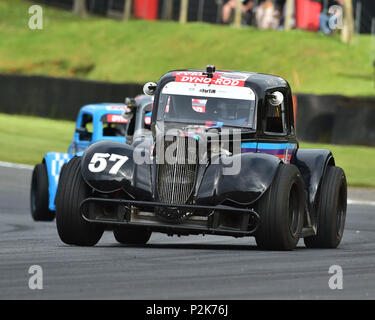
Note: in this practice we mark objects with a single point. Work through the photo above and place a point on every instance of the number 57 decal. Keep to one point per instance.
(99, 162)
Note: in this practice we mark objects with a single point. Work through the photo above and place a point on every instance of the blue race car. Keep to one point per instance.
(95, 122)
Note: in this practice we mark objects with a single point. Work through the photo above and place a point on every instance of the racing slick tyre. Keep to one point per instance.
(71, 191)
(131, 236)
(39, 195)
(281, 210)
(331, 210)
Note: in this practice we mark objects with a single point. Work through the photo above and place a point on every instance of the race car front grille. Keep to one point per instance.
(176, 176)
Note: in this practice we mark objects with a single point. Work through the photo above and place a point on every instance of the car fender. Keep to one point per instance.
(54, 162)
(134, 177)
(246, 186)
(312, 164)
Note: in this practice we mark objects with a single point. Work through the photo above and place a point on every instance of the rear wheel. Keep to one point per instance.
(39, 195)
(281, 211)
(72, 190)
(331, 210)
(131, 236)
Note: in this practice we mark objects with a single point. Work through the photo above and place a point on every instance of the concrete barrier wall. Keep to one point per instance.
(57, 97)
(336, 119)
(330, 118)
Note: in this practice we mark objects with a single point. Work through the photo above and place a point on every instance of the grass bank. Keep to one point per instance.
(138, 51)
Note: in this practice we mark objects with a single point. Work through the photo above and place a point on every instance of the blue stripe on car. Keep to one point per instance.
(264, 147)
(54, 162)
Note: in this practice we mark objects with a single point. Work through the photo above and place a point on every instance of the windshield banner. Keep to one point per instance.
(208, 90)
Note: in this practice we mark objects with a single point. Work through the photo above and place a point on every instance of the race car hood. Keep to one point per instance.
(241, 178)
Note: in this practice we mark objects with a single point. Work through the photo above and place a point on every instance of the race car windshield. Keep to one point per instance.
(211, 105)
(114, 125)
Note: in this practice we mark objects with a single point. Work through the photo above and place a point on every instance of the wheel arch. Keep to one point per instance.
(312, 164)
(132, 177)
(255, 176)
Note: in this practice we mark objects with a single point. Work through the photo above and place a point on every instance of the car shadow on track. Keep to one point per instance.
(195, 246)
(190, 246)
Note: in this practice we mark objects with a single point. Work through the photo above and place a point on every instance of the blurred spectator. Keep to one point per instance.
(267, 16)
(325, 16)
(230, 5)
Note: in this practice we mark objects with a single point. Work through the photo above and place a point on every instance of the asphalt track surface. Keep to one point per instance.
(193, 267)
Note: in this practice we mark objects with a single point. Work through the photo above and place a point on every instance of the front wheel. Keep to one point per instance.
(281, 210)
(72, 190)
(331, 210)
(39, 195)
(131, 236)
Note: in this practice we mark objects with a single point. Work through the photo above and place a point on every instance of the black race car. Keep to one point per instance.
(223, 159)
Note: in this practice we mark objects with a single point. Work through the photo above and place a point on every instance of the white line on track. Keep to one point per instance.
(361, 202)
(28, 167)
(15, 165)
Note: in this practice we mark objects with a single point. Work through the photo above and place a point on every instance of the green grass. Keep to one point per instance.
(25, 139)
(357, 161)
(140, 51)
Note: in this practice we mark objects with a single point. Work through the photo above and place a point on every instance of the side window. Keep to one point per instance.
(275, 121)
(146, 116)
(86, 128)
(131, 126)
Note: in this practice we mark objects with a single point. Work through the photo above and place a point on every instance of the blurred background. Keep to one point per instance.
(87, 51)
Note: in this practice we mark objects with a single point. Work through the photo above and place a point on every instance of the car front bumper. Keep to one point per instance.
(218, 220)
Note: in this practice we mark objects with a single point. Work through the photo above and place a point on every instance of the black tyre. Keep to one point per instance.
(281, 210)
(39, 195)
(72, 190)
(331, 210)
(131, 236)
